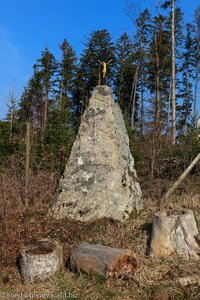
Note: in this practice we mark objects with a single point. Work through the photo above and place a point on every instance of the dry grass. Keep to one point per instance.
(150, 281)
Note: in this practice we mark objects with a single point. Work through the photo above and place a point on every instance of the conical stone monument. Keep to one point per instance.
(99, 179)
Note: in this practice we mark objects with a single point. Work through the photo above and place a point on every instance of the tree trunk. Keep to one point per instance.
(133, 96)
(99, 81)
(153, 158)
(40, 260)
(186, 104)
(196, 91)
(12, 109)
(102, 260)
(173, 78)
(61, 94)
(197, 62)
(157, 88)
(169, 108)
(45, 110)
(120, 100)
(27, 162)
(175, 233)
(142, 105)
(141, 71)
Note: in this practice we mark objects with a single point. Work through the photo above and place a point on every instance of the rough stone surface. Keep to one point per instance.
(175, 233)
(100, 179)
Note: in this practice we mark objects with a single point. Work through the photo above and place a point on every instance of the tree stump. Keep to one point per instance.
(40, 260)
(175, 233)
(104, 261)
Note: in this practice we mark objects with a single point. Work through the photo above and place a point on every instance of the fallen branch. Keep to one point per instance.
(181, 178)
(184, 281)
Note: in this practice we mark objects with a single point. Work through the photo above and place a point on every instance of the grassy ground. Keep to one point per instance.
(153, 280)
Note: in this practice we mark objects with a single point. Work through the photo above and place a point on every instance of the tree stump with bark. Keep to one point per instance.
(175, 233)
(40, 260)
(103, 260)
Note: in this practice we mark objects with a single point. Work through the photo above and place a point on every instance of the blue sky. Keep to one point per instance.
(26, 27)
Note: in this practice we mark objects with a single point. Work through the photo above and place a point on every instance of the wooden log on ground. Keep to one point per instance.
(175, 233)
(40, 260)
(103, 260)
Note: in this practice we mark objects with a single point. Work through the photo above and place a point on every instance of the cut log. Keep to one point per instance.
(175, 233)
(40, 260)
(103, 260)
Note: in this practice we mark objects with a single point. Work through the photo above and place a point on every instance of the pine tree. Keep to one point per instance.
(124, 75)
(67, 72)
(31, 101)
(187, 80)
(174, 25)
(59, 134)
(196, 59)
(47, 67)
(99, 46)
(178, 57)
(142, 39)
(159, 72)
(173, 74)
(12, 110)
(79, 97)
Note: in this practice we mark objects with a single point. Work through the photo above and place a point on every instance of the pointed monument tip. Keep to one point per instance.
(104, 90)
(103, 85)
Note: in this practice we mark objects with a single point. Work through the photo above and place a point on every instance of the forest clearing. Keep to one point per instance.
(99, 166)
